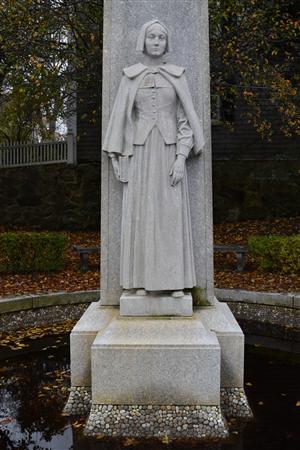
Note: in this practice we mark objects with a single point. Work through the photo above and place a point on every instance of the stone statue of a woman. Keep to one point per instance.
(152, 129)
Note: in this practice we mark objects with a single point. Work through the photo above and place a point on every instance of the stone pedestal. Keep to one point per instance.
(155, 376)
(155, 304)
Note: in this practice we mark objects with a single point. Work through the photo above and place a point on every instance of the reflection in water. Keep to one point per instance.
(34, 389)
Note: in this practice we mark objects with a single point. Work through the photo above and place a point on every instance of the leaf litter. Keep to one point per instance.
(72, 278)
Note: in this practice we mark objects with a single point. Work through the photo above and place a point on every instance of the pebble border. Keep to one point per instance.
(234, 403)
(158, 421)
(206, 422)
(79, 401)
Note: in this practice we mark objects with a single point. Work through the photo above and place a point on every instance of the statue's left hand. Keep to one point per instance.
(177, 170)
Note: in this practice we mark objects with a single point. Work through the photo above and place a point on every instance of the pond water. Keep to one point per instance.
(34, 387)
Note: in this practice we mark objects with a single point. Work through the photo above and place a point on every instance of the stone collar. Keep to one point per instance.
(137, 69)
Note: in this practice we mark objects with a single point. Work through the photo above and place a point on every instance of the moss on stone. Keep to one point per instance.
(199, 296)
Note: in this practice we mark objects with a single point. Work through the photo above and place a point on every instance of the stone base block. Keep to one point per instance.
(234, 403)
(220, 320)
(156, 361)
(204, 422)
(79, 401)
(155, 304)
(95, 319)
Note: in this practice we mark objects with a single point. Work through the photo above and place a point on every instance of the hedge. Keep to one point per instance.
(279, 253)
(32, 251)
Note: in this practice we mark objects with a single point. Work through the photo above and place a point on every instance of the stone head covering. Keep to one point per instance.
(140, 45)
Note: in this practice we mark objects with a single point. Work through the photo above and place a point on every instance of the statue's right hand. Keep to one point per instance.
(116, 167)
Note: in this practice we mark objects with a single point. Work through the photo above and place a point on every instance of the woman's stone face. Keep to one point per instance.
(155, 41)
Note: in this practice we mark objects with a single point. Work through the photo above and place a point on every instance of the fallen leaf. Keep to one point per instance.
(130, 441)
(71, 278)
(99, 437)
(165, 440)
(6, 420)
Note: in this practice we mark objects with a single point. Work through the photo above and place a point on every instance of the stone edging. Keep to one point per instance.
(12, 304)
(21, 303)
(262, 298)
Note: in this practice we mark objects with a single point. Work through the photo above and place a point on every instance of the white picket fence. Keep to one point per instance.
(31, 154)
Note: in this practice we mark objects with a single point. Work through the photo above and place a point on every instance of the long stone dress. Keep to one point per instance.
(156, 236)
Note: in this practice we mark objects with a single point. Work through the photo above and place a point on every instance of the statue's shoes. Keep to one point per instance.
(177, 294)
(141, 292)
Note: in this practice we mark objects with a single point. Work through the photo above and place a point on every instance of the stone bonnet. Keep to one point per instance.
(140, 46)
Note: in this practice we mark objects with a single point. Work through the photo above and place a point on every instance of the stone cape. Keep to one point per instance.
(120, 130)
(156, 242)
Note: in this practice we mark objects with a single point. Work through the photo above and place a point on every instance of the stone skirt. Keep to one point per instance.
(156, 236)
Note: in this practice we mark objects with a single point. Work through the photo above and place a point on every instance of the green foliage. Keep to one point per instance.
(254, 54)
(279, 253)
(31, 251)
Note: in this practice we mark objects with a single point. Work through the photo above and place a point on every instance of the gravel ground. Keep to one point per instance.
(41, 316)
(270, 326)
(276, 315)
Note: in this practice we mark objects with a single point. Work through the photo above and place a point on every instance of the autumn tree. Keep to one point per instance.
(50, 57)
(47, 49)
(254, 55)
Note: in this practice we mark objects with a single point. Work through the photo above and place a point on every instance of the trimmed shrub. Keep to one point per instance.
(31, 251)
(280, 253)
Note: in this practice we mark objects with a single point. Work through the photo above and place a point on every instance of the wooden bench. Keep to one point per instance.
(239, 250)
(84, 253)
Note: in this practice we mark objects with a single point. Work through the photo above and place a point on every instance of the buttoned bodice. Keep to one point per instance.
(156, 104)
(155, 96)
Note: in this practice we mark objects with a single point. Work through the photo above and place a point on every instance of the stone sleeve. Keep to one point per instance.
(114, 138)
(185, 140)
